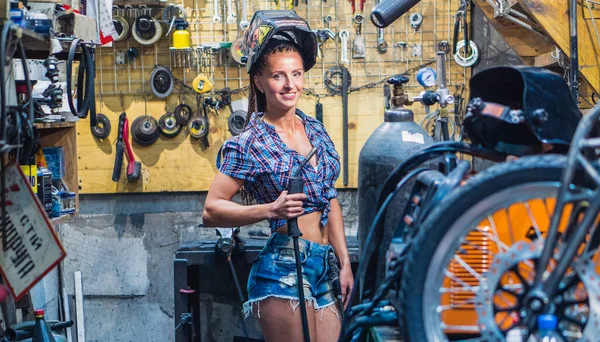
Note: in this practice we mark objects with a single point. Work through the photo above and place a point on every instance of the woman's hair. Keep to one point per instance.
(257, 102)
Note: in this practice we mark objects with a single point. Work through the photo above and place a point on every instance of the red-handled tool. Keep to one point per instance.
(134, 168)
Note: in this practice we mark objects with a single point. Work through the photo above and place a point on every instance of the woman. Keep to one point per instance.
(260, 161)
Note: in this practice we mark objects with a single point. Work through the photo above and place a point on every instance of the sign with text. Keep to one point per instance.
(29, 247)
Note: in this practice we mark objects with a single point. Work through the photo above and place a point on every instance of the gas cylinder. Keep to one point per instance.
(181, 37)
(394, 141)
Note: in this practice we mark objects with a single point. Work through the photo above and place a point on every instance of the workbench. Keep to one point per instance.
(197, 268)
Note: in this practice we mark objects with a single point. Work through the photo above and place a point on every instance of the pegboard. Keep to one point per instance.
(183, 164)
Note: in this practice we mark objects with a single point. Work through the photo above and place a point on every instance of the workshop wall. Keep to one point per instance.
(182, 163)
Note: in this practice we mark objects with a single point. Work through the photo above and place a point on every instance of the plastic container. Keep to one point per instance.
(55, 158)
(41, 330)
(547, 329)
(516, 334)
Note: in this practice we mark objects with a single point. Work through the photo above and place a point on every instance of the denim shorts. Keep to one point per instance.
(273, 273)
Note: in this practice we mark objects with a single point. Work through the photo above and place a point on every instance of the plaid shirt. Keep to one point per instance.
(262, 159)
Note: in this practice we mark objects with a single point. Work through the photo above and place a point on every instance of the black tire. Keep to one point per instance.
(435, 229)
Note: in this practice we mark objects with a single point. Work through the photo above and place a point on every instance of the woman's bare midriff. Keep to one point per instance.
(310, 226)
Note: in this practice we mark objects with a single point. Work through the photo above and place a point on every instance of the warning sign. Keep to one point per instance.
(29, 246)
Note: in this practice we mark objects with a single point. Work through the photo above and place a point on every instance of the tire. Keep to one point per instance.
(441, 234)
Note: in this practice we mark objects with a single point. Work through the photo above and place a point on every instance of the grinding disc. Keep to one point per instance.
(102, 128)
(144, 130)
(236, 122)
(182, 114)
(168, 125)
(151, 30)
(161, 81)
(122, 28)
(236, 50)
(198, 127)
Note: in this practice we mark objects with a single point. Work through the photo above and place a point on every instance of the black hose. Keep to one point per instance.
(3, 41)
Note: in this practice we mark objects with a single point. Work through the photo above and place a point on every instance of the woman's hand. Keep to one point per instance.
(287, 206)
(347, 283)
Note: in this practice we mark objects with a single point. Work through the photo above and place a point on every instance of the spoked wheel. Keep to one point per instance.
(474, 259)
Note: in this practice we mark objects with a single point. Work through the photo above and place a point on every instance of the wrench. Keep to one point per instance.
(216, 12)
(230, 15)
(344, 39)
(244, 22)
(382, 45)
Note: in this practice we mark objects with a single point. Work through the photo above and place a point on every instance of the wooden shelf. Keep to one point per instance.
(52, 125)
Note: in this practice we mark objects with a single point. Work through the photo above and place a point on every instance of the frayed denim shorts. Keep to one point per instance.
(273, 274)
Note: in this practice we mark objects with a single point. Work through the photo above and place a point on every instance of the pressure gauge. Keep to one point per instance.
(426, 77)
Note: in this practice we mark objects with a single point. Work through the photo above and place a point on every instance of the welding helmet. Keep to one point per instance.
(276, 27)
(515, 110)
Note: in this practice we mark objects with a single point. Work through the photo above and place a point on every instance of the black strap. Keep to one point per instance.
(85, 72)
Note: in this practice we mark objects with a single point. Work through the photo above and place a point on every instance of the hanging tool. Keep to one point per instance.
(182, 113)
(328, 19)
(202, 84)
(319, 111)
(344, 53)
(416, 19)
(201, 103)
(237, 122)
(230, 15)
(323, 36)
(216, 12)
(402, 47)
(333, 79)
(358, 49)
(168, 125)
(102, 128)
(382, 46)
(134, 168)
(296, 186)
(144, 130)
(161, 82)
(236, 50)
(181, 36)
(119, 150)
(471, 52)
(244, 22)
(146, 30)
(345, 87)
(121, 26)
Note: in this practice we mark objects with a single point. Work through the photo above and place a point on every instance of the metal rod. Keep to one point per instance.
(574, 69)
(345, 122)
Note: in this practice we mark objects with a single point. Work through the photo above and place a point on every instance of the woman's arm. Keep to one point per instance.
(219, 210)
(337, 239)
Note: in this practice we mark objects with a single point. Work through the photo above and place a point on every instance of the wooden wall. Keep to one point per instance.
(182, 164)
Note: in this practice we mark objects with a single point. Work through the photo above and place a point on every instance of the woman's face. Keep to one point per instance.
(281, 80)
